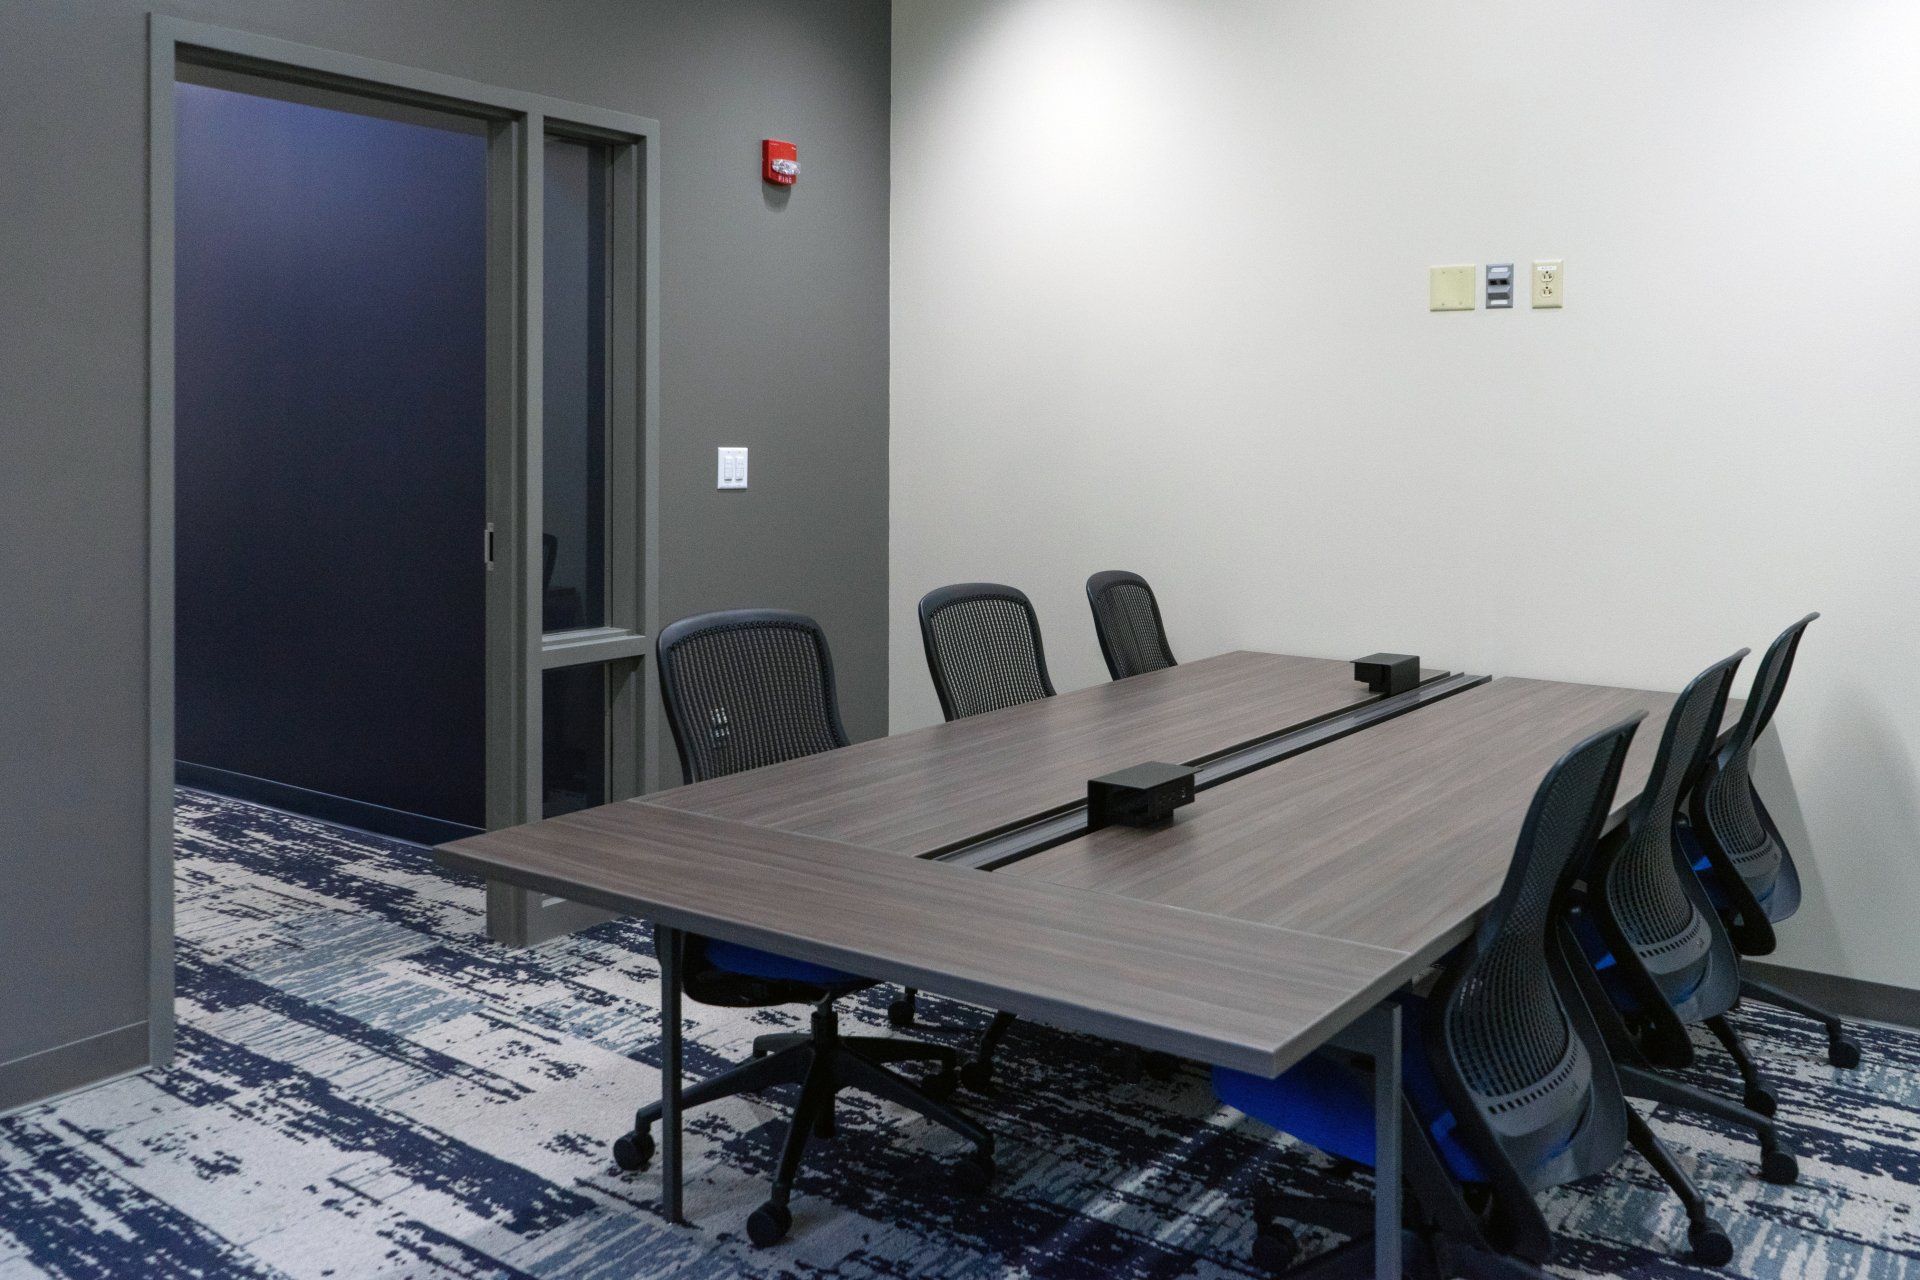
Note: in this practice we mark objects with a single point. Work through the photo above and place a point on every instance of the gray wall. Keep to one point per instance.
(774, 335)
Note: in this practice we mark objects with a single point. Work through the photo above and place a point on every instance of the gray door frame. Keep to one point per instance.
(517, 651)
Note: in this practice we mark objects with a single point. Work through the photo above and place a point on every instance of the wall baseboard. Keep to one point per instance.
(397, 824)
(77, 1065)
(1846, 997)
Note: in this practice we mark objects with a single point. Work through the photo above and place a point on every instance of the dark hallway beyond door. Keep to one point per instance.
(331, 465)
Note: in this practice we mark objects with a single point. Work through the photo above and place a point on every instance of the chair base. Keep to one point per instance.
(1777, 1162)
(1710, 1244)
(823, 1062)
(1841, 1051)
(1760, 1096)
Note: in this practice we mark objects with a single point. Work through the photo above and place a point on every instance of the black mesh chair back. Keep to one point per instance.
(983, 648)
(745, 688)
(1649, 907)
(1756, 870)
(1519, 1056)
(1126, 617)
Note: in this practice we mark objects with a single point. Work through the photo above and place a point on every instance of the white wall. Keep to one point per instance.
(1159, 303)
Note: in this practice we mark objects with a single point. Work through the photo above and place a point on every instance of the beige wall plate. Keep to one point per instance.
(1451, 288)
(1549, 283)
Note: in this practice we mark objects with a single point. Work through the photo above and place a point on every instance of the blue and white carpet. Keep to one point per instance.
(366, 1086)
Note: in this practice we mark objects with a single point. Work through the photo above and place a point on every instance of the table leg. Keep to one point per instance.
(1386, 1141)
(666, 947)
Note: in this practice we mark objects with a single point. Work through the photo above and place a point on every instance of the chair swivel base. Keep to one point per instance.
(1778, 1164)
(822, 1063)
(1759, 1095)
(1429, 1251)
(1842, 1051)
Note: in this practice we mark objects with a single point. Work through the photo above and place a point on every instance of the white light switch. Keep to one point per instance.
(733, 468)
(1549, 282)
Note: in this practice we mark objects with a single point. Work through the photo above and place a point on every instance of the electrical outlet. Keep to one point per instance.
(1451, 288)
(1549, 283)
(733, 468)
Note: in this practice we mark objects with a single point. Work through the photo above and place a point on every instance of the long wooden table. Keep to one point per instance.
(930, 791)
(1396, 838)
(1348, 841)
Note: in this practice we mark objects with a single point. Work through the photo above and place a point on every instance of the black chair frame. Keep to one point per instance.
(1120, 651)
(1716, 819)
(1498, 1230)
(1654, 1034)
(821, 1061)
(937, 601)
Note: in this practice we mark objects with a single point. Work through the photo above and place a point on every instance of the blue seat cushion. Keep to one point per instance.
(1328, 1104)
(1710, 874)
(1594, 947)
(1696, 854)
(752, 962)
(1608, 968)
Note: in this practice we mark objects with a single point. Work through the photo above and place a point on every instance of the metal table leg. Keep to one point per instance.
(1386, 1141)
(666, 946)
(1376, 1033)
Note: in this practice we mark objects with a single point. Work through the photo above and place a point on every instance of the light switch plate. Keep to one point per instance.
(733, 468)
(1451, 288)
(1549, 283)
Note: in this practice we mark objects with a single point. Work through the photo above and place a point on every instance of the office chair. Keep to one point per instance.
(984, 653)
(1737, 850)
(1126, 617)
(1508, 1087)
(1657, 951)
(745, 688)
(983, 648)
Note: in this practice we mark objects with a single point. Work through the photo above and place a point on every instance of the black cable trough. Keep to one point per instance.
(986, 853)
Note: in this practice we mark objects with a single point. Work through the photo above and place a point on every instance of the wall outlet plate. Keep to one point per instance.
(1549, 283)
(1499, 285)
(1451, 288)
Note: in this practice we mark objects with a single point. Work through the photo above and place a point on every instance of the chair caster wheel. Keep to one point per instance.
(941, 1085)
(1275, 1248)
(974, 1173)
(769, 1224)
(1762, 1101)
(1779, 1167)
(633, 1151)
(977, 1075)
(1160, 1066)
(1710, 1244)
(1842, 1052)
(900, 1013)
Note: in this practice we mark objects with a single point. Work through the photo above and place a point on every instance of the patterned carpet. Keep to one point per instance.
(367, 1087)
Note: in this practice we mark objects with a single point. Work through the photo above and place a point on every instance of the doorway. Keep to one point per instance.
(403, 441)
(330, 454)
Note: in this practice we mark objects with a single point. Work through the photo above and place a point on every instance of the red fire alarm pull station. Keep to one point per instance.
(779, 162)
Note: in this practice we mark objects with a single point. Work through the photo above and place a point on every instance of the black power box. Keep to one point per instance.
(1388, 673)
(1138, 796)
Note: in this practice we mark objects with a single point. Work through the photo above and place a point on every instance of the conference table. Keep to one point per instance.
(1340, 842)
